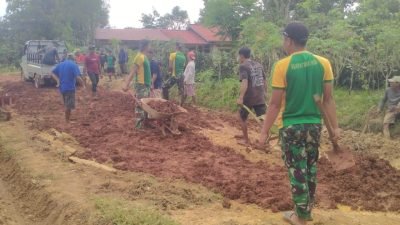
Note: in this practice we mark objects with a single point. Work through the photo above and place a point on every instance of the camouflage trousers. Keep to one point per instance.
(300, 152)
(142, 91)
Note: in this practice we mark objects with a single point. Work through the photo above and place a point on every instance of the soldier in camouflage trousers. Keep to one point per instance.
(142, 91)
(296, 80)
(300, 145)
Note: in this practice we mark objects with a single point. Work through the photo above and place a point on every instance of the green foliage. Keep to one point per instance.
(216, 94)
(118, 213)
(176, 20)
(227, 15)
(358, 37)
(352, 109)
(72, 21)
(265, 41)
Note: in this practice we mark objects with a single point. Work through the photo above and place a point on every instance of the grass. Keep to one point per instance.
(353, 108)
(121, 213)
(8, 69)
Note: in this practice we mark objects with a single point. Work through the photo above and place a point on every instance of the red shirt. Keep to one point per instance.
(92, 62)
(80, 59)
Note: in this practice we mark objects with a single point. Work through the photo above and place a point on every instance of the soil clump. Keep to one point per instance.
(167, 107)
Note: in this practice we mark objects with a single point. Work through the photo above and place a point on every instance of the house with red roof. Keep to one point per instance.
(196, 36)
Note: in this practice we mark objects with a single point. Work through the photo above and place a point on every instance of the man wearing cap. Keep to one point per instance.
(93, 69)
(189, 75)
(66, 74)
(392, 97)
(177, 62)
(141, 71)
(295, 80)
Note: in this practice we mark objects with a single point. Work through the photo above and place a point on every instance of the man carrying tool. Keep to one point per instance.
(142, 73)
(177, 62)
(93, 69)
(66, 74)
(252, 91)
(392, 97)
(295, 81)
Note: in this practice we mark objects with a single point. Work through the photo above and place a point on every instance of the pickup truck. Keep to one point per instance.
(32, 66)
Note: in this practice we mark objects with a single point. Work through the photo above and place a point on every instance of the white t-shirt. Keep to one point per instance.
(190, 72)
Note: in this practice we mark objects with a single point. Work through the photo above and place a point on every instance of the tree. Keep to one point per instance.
(228, 15)
(176, 20)
(265, 41)
(150, 20)
(72, 21)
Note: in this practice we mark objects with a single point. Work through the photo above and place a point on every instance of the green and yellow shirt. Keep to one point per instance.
(302, 75)
(178, 62)
(143, 73)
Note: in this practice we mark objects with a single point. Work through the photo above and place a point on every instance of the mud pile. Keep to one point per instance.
(373, 184)
(164, 107)
(105, 128)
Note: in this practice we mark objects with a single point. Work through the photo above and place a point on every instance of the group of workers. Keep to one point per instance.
(148, 81)
(296, 79)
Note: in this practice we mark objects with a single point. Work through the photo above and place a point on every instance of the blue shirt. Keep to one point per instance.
(155, 69)
(67, 72)
(122, 57)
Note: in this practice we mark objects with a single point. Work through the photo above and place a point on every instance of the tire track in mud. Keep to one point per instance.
(110, 138)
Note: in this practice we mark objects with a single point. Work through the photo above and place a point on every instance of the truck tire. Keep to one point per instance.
(36, 82)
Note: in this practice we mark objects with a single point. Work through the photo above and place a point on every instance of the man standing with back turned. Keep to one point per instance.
(296, 79)
(141, 71)
(66, 74)
(177, 62)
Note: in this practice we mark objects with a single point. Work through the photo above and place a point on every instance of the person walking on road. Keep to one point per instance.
(110, 60)
(93, 69)
(123, 59)
(189, 78)
(296, 79)
(142, 73)
(66, 74)
(252, 91)
(392, 97)
(177, 62)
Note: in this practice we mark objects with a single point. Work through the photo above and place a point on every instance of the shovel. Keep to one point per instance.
(252, 114)
(259, 121)
(340, 157)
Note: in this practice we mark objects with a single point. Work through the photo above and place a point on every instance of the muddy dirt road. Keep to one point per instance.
(104, 130)
(102, 127)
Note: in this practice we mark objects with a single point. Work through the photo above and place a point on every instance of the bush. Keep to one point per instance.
(217, 94)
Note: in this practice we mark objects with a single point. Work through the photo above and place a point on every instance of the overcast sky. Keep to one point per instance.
(127, 13)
